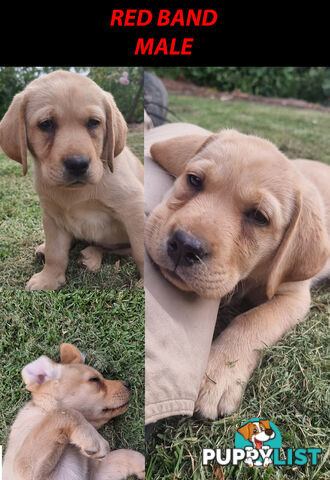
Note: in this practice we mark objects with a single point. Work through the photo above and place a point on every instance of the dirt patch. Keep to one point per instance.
(180, 87)
(135, 126)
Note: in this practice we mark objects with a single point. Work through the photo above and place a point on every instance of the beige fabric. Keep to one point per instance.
(179, 325)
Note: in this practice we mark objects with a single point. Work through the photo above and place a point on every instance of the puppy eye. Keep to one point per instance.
(257, 217)
(94, 379)
(194, 181)
(48, 125)
(92, 123)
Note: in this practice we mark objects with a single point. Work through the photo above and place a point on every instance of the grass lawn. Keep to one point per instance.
(21, 231)
(107, 326)
(290, 385)
(297, 133)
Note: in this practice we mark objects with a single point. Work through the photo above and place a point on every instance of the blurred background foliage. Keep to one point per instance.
(307, 83)
(125, 84)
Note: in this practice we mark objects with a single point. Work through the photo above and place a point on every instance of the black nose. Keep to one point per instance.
(184, 249)
(127, 385)
(76, 165)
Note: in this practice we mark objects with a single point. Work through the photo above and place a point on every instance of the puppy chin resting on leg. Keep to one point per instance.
(241, 220)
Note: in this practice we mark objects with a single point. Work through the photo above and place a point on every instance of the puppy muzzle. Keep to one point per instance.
(185, 250)
(76, 166)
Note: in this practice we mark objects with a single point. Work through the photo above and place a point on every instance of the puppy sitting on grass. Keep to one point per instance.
(89, 183)
(54, 436)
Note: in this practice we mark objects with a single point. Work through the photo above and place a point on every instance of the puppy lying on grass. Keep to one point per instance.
(241, 220)
(54, 436)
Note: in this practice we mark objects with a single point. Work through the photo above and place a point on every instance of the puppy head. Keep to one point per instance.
(248, 430)
(71, 126)
(71, 384)
(237, 210)
(260, 430)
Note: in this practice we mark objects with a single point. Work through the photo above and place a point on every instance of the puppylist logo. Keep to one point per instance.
(258, 443)
(258, 438)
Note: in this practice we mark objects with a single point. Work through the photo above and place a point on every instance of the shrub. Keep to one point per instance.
(125, 83)
(308, 83)
(14, 80)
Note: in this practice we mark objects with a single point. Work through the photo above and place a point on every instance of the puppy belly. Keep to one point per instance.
(72, 466)
(94, 227)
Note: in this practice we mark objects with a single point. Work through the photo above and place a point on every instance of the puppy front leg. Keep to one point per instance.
(235, 353)
(45, 444)
(131, 213)
(56, 251)
(118, 465)
(135, 229)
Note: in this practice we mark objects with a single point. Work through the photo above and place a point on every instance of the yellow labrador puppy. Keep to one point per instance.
(89, 183)
(241, 221)
(54, 436)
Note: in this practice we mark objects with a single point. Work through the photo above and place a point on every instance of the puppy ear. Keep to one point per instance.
(116, 131)
(70, 354)
(265, 423)
(174, 154)
(39, 372)
(305, 246)
(13, 139)
(245, 430)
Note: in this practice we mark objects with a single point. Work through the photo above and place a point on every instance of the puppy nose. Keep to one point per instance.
(76, 164)
(184, 249)
(127, 385)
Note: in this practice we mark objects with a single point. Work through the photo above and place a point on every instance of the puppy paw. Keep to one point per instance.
(40, 251)
(44, 281)
(91, 258)
(125, 462)
(138, 464)
(267, 462)
(221, 388)
(90, 442)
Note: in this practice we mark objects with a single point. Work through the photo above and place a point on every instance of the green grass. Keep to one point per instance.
(21, 231)
(290, 385)
(297, 133)
(107, 326)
